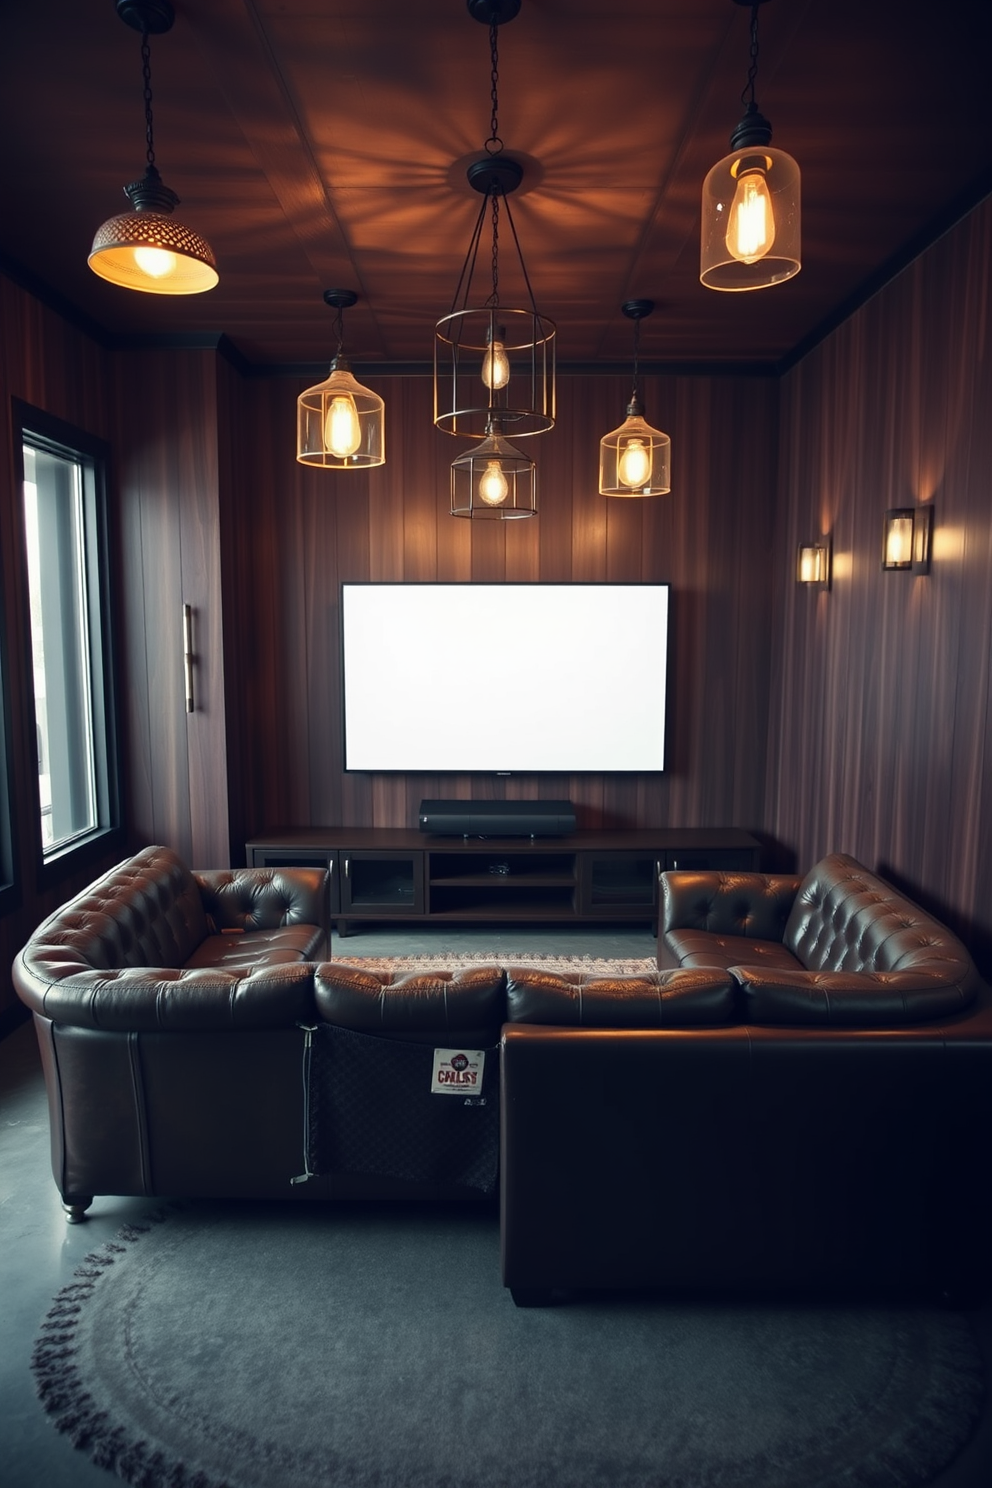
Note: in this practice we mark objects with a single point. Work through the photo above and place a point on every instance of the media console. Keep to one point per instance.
(382, 873)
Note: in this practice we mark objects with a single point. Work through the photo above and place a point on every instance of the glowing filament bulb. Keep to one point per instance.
(342, 431)
(493, 487)
(496, 367)
(751, 230)
(155, 262)
(634, 465)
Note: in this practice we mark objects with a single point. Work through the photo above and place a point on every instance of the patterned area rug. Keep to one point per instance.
(337, 1346)
(592, 965)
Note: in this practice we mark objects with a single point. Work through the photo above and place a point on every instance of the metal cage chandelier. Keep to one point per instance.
(147, 249)
(635, 460)
(750, 212)
(494, 365)
(340, 423)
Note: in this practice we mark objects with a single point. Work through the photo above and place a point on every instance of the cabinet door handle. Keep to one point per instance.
(346, 867)
(330, 866)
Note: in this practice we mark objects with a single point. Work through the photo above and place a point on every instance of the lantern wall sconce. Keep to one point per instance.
(751, 209)
(813, 564)
(340, 425)
(907, 538)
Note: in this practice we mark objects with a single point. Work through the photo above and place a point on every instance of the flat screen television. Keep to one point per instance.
(504, 678)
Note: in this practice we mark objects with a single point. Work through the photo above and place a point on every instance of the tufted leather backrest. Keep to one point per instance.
(846, 919)
(145, 912)
(684, 998)
(260, 898)
(753, 904)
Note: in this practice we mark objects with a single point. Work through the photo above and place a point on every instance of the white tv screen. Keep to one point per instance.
(472, 678)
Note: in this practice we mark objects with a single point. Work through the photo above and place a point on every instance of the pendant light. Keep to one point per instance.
(492, 479)
(339, 423)
(750, 215)
(494, 364)
(635, 460)
(147, 249)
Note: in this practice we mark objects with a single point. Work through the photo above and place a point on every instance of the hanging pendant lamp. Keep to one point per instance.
(635, 460)
(339, 423)
(494, 364)
(750, 214)
(147, 249)
(492, 479)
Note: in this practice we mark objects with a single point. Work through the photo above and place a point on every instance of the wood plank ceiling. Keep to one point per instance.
(324, 142)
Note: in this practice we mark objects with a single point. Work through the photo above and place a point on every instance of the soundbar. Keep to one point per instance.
(497, 818)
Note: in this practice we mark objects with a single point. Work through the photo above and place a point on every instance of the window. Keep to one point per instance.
(67, 582)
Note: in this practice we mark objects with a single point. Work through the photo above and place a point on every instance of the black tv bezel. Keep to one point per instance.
(499, 584)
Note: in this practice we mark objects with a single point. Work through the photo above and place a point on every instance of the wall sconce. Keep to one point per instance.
(813, 564)
(907, 536)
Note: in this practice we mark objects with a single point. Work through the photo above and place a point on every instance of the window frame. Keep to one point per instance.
(10, 887)
(45, 432)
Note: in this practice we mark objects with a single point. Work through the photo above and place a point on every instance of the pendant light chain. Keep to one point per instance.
(637, 347)
(494, 144)
(747, 95)
(146, 71)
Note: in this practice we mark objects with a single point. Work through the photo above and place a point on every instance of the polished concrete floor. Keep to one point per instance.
(38, 1251)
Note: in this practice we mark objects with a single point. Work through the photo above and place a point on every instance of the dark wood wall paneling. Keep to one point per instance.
(304, 531)
(880, 741)
(168, 452)
(52, 366)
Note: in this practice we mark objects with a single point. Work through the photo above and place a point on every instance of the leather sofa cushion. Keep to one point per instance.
(753, 904)
(170, 1000)
(844, 999)
(252, 899)
(258, 948)
(660, 999)
(846, 919)
(702, 948)
(420, 1006)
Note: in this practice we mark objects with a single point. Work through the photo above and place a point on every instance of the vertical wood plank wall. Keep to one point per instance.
(880, 739)
(167, 445)
(301, 532)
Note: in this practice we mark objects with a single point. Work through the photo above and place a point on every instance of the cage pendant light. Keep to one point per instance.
(340, 424)
(750, 212)
(494, 363)
(147, 249)
(493, 480)
(635, 460)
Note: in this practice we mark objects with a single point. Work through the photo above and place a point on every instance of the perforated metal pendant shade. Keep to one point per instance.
(148, 250)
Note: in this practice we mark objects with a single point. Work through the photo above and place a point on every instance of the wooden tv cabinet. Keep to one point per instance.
(382, 873)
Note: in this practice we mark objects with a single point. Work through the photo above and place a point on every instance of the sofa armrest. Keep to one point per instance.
(264, 898)
(753, 904)
(849, 999)
(163, 999)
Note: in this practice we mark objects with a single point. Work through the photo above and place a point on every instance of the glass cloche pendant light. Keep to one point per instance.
(635, 460)
(340, 423)
(147, 249)
(493, 479)
(750, 215)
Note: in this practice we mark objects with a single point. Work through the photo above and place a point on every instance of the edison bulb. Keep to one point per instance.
(342, 430)
(493, 486)
(751, 229)
(155, 262)
(634, 465)
(496, 367)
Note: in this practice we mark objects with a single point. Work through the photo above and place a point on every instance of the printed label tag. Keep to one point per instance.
(458, 1071)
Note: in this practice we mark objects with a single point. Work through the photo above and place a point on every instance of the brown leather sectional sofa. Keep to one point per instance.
(799, 1098)
(829, 1132)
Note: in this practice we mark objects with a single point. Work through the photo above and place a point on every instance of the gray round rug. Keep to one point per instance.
(278, 1346)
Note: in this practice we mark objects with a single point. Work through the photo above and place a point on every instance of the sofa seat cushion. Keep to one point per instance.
(423, 1007)
(843, 999)
(258, 948)
(704, 948)
(659, 999)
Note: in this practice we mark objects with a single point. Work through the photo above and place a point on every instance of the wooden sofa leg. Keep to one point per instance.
(75, 1207)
